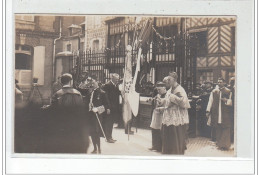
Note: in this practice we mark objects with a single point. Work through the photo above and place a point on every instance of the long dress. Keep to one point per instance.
(175, 121)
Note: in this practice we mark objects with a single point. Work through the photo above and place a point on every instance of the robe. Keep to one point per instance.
(175, 121)
(220, 116)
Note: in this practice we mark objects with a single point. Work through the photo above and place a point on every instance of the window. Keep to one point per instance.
(69, 47)
(23, 61)
(26, 48)
(205, 76)
(95, 45)
(114, 40)
(23, 57)
(202, 48)
(166, 31)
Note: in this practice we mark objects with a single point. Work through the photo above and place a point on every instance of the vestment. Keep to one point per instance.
(175, 121)
(220, 116)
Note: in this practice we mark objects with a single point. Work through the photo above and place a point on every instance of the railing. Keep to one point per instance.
(158, 60)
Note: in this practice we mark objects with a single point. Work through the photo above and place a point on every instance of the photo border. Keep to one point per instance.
(245, 159)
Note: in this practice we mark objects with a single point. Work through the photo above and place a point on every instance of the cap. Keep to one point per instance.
(160, 84)
(67, 75)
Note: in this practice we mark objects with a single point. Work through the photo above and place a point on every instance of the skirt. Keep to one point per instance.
(223, 139)
(174, 139)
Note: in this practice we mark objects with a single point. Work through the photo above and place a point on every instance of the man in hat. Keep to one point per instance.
(112, 90)
(157, 115)
(67, 125)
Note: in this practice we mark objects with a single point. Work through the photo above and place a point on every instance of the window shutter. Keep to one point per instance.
(38, 64)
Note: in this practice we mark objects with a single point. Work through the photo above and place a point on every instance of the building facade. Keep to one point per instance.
(216, 46)
(108, 36)
(34, 36)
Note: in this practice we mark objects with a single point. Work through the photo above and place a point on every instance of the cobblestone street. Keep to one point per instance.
(139, 143)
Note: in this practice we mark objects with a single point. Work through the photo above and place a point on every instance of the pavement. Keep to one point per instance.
(138, 144)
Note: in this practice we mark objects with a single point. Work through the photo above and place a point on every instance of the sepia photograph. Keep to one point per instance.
(128, 85)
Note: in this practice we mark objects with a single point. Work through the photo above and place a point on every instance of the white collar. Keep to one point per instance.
(67, 85)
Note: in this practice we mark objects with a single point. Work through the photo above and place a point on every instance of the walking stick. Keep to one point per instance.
(128, 129)
(101, 126)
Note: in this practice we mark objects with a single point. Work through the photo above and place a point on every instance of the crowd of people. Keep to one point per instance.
(90, 110)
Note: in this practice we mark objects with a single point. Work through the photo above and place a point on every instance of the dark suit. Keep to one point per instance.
(113, 93)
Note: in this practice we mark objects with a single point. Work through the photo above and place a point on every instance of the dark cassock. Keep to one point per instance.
(175, 121)
(220, 116)
(204, 129)
(66, 129)
(113, 93)
(97, 99)
(232, 89)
